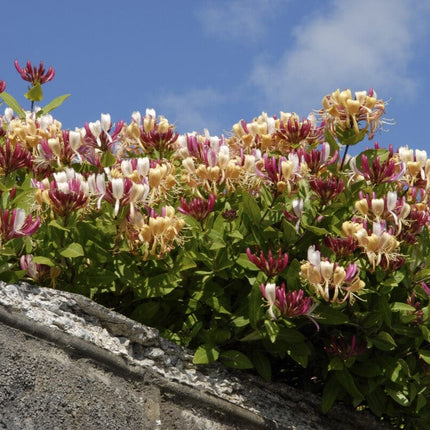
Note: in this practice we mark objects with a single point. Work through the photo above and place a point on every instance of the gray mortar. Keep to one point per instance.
(160, 375)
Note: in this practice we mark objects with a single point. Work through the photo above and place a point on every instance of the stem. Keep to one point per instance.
(344, 157)
(32, 106)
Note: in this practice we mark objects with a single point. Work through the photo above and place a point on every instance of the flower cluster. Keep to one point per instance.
(331, 282)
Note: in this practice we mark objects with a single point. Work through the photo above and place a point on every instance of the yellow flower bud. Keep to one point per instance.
(154, 177)
(378, 207)
(339, 275)
(163, 125)
(54, 145)
(362, 206)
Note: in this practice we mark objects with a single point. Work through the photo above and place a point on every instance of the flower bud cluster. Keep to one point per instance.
(330, 281)
(155, 233)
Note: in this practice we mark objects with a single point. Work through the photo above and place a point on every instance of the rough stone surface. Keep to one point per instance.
(69, 363)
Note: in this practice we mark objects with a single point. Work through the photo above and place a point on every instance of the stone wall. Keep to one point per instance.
(69, 363)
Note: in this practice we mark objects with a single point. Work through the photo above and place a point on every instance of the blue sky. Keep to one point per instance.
(210, 63)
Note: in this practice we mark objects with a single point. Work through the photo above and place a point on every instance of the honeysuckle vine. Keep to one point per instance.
(270, 249)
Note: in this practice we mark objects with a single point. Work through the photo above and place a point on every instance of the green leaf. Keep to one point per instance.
(6, 251)
(290, 335)
(325, 314)
(350, 137)
(157, 285)
(12, 103)
(256, 310)
(55, 224)
(205, 354)
(331, 390)
(35, 94)
(251, 208)
(74, 250)
(367, 369)
(425, 355)
(252, 337)
(39, 259)
(383, 341)
(58, 101)
(262, 364)
(334, 146)
(184, 263)
(235, 359)
(243, 261)
(293, 273)
(336, 363)
(272, 330)
(299, 352)
(399, 396)
(217, 245)
(146, 312)
(108, 159)
(377, 400)
(319, 231)
(12, 276)
(347, 381)
(402, 307)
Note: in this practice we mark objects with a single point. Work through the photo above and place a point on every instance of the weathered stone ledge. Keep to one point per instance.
(47, 332)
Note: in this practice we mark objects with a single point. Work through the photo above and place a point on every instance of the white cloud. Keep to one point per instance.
(363, 44)
(245, 20)
(193, 110)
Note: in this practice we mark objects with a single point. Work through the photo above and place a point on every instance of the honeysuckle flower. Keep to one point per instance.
(150, 112)
(157, 135)
(97, 186)
(106, 124)
(157, 233)
(56, 149)
(67, 195)
(45, 121)
(341, 246)
(316, 161)
(8, 114)
(229, 215)
(37, 272)
(300, 133)
(330, 281)
(345, 348)
(314, 256)
(328, 188)
(274, 169)
(197, 208)
(418, 312)
(271, 265)
(117, 192)
(12, 159)
(14, 223)
(377, 244)
(425, 288)
(136, 117)
(388, 208)
(362, 112)
(414, 223)
(96, 130)
(99, 135)
(379, 172)
(289, 304)
(35, 75)
(415, 163)
(135, 168)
